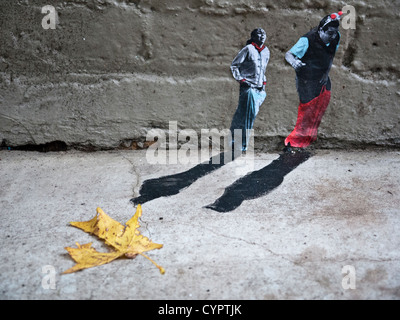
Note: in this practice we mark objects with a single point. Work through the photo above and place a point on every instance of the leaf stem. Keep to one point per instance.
(162, 270)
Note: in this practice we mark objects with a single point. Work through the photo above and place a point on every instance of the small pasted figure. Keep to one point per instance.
(248, 68)
(312, 58)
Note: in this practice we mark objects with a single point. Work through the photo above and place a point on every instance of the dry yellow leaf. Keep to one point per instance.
(126, 240)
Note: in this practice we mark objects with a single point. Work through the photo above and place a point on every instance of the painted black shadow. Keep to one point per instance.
(173, 184)
(259, 183)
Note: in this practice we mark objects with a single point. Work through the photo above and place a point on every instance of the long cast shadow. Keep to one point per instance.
(258, 183)
(173, 184)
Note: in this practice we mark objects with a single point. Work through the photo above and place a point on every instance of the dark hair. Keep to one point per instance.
(253, 33)
(334, 23)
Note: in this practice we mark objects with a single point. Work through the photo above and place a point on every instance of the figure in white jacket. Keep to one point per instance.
(248, 68)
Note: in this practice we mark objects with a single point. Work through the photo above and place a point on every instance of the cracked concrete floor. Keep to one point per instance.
(339, 208)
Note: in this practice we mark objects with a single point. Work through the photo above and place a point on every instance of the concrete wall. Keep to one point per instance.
(114, 69)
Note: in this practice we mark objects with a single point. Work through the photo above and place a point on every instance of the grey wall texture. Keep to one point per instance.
(112, 70)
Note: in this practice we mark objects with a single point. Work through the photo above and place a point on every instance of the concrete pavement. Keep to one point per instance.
(332, 224)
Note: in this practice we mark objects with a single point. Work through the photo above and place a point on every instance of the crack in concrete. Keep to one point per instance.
(248, 242)
(297, 262)
(135, 188)
(134, 171)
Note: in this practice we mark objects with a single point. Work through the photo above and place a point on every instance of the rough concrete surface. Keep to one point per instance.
(114, 69)
(339, 208)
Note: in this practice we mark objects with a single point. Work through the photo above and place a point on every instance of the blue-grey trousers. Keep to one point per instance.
(250, 100)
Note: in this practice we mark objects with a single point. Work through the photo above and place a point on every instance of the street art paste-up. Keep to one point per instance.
(312, 58)
(248, 68)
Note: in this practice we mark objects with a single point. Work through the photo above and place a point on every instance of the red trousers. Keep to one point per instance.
(308, 119)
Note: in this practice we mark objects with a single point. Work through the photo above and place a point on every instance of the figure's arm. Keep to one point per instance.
(266, 64)
(339, 35)
(297, 52)
(264, 82)
(235, 66)
(293, 61)
(325, 77)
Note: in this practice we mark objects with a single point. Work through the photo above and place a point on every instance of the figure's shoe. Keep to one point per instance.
(288, 148)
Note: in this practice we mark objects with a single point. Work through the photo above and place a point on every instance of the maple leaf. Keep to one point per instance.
(126, 240)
